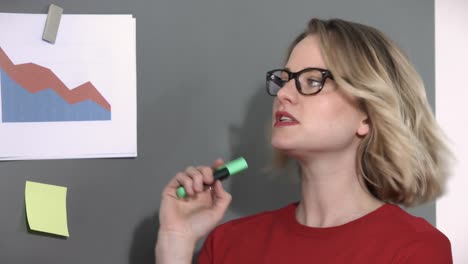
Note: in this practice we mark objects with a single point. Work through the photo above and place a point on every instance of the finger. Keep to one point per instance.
(197, 178)
(184, 180)
(174, 183)
(222, 199)
(207, 174)
(218, 162)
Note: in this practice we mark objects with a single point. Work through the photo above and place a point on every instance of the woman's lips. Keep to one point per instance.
(283, 118)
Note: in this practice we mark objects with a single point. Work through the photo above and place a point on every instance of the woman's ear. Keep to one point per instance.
(364, 127)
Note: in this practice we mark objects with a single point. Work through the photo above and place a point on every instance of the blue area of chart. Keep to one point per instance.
(20, 105)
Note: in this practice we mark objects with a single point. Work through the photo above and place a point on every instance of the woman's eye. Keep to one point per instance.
(313, 83)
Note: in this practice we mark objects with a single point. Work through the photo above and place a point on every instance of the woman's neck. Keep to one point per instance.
(332, 192)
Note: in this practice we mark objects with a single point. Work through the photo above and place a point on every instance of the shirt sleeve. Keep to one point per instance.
(206, 253)
(429, 248)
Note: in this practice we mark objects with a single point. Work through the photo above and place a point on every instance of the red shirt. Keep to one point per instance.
(386, 235)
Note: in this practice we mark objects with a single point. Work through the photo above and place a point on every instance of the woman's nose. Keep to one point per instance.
(288, 93)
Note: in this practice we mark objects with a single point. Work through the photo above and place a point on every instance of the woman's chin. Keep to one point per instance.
(282, 145)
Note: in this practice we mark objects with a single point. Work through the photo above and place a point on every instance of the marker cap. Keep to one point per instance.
(181, 193)
(236, 166)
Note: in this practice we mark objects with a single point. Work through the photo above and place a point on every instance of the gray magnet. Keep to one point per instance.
(52, 23)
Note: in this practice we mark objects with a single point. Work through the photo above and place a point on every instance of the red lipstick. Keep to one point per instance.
(283, 118)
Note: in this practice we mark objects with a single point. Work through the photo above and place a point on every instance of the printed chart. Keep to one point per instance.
(75, 98)
(32, 93)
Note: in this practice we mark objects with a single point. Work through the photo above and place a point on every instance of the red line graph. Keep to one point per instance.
(35, 78)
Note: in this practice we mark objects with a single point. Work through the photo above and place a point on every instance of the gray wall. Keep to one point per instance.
(201, 65)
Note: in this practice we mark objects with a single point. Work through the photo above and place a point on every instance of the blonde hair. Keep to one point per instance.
(404, 159)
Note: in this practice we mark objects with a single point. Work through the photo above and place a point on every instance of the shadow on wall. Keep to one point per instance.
(144, 240)
(257, 189)
(260, 187)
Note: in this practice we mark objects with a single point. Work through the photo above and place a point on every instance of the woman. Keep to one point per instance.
(352, 111)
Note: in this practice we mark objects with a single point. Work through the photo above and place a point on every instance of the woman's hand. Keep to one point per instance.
(194, 216)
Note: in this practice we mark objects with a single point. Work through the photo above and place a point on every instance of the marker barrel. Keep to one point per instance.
(221, 173)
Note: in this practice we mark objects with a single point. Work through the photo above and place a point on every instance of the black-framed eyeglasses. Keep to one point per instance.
(309, 81)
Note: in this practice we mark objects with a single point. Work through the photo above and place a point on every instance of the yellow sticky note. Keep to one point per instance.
(46, 208)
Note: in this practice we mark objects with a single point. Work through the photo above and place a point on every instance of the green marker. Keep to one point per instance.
(221, 173)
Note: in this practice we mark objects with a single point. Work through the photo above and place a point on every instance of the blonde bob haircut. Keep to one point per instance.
(404, 158)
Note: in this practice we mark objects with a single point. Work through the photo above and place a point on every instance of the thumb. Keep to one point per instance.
(222, 199)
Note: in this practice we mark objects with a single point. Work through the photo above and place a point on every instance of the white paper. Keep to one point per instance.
(100, 49)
